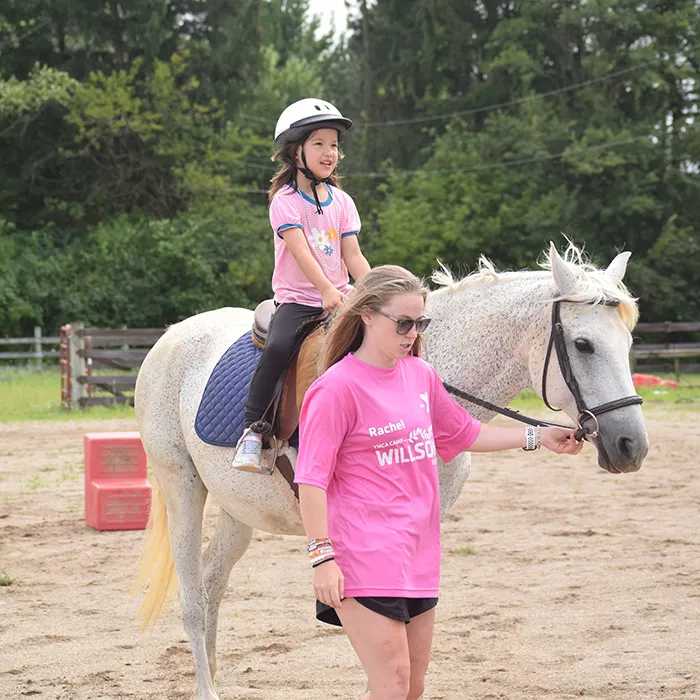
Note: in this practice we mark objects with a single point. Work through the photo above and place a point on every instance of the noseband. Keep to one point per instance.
(558, 342)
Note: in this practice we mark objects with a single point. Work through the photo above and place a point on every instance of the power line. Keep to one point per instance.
(260, 120)
(258, 165)
(21, 38)
(514, 162)
(500, 164)
(510, 103)
(504, 163)
(498, 105)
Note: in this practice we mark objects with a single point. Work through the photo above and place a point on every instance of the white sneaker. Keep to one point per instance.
(249, 453)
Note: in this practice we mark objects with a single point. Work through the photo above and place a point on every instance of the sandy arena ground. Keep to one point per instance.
(559, 581)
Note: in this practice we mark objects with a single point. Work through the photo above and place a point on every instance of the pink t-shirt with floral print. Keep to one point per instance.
(369, 438)
(293, 209)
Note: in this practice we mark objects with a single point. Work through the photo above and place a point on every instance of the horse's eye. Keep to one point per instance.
(583, 345)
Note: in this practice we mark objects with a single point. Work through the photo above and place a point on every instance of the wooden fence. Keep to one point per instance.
(86, 349)
(86, 352)
(36, 343)
(670, 352)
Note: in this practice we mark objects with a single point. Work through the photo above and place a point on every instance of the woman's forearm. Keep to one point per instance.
(492, 438)
(314, 511)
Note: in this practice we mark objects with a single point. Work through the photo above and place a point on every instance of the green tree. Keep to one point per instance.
(593, 134)
(142, 271)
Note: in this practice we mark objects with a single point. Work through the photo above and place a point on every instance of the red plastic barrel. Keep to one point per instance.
(117, 492)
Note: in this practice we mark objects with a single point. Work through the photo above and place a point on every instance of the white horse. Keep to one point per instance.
(489, 336)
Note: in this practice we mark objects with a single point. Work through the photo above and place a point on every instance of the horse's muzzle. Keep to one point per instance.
(623, 454)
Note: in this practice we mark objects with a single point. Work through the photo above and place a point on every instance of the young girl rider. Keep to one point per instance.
(315, 227)
(370, 430)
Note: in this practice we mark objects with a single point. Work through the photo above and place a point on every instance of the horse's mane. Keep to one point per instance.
(593, 285)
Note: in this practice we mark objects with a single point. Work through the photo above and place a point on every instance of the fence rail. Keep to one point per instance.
(668, 327)
(680, 350)
(29, 341)
(38, 353)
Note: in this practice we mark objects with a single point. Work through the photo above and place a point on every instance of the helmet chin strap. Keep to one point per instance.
(306, 171)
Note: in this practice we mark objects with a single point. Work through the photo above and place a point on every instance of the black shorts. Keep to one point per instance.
(401, 609)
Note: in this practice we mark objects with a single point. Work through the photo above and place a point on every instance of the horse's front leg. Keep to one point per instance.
(230, 540)
(452, 476)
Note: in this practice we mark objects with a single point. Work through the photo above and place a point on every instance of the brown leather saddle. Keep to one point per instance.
(283, 412)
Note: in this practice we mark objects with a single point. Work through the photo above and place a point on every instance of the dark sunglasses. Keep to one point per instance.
(404, 325)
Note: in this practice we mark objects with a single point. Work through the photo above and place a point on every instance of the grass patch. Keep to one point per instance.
(6, 579)
(71, 472)
(27, 394)
(464, 551)
(687, 395)
(34, 481)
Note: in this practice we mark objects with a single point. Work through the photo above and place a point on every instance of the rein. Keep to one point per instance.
(507, 412)
(557, 341)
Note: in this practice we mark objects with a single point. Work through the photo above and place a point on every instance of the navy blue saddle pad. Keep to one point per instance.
(220, 415)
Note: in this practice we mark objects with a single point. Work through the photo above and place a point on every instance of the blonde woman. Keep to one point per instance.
(371, 429)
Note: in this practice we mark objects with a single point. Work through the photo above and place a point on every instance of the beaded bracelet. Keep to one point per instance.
(533, 438)
(320, 550)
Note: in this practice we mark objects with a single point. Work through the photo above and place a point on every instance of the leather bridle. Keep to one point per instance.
(557, 340)
(586, 414)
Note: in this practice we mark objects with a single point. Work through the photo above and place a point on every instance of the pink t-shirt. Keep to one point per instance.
(294, 209)
(369, 438)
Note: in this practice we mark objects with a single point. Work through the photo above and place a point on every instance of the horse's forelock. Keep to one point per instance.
(594, 286)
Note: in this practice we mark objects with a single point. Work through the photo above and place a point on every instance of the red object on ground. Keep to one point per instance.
(652, 380)
(117, 492)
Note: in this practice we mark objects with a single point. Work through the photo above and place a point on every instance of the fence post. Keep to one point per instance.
(77, 365)
(64, 362)
(38, 347)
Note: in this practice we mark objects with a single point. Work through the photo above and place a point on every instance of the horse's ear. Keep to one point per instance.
(564, 276)
(618, 267)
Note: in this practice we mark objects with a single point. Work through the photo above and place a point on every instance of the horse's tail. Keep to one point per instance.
(157, 570)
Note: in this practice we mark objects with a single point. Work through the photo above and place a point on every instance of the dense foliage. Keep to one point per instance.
(135, 139)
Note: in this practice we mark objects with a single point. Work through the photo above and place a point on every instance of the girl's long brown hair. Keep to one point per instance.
(373, 291)
(287, 174)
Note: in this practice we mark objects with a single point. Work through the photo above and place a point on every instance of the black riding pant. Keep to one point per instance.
(288, 328)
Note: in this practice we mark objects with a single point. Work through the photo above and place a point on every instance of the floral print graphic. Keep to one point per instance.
(325, 241)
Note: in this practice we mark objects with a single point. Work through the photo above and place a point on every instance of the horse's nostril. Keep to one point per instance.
(626, 446)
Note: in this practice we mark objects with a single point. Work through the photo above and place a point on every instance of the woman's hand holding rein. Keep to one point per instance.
(493, 438)
(561, 441)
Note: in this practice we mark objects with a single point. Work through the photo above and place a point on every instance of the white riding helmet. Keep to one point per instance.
(306, 115)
